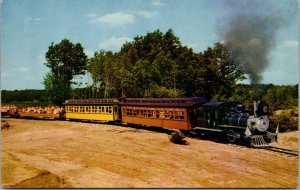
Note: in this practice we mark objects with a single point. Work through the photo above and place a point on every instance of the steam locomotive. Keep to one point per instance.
(196, 115)
(247, 126)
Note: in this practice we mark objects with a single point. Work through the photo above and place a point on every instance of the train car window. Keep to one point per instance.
(134, 112)
(179, 115)
(140, 113)
(169, 115)
(106, 109)
(149, 113)
(110, 109)
(161, 114)
(129, 112)
(157, 114)
(143, 113)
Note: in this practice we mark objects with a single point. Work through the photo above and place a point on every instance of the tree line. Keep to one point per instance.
(277, 96)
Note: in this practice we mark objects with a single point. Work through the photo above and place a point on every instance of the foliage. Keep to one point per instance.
(276, 96)
(158, 65)
(282, 97)
(220, 72)
(8, 96)
(65, 60)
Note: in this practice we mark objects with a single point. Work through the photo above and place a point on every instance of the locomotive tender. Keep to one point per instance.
(197, 114)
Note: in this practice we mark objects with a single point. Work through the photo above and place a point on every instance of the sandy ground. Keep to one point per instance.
(63, 154)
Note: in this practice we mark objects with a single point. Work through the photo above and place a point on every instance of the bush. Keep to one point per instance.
(287, 119)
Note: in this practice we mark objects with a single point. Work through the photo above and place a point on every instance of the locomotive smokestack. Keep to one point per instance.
(249, 32)
(254, 106)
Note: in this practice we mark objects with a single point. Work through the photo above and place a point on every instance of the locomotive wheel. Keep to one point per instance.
(231, 136)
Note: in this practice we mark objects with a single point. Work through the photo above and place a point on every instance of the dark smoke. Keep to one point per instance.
(250, 32)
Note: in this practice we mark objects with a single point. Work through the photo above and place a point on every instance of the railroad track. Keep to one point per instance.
(282, 151)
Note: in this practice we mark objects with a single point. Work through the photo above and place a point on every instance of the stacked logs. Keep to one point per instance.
(8, 110)
(41, 110)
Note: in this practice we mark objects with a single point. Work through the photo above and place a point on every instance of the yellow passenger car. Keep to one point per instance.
(92, 109)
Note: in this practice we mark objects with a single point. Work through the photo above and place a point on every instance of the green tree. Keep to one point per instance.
(281, 97)
(220, 72)
(65, 60)
(103, 69)
(154, 62)
(158, 65)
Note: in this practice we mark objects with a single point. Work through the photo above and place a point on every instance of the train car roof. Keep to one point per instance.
(164, 102)
(212, 104)
(94, 101)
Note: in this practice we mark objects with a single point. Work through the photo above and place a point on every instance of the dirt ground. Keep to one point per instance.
(63, 154)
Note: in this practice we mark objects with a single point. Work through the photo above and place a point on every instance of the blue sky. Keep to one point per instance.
(29, 27)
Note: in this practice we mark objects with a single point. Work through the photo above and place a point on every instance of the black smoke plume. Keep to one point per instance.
(250, 29)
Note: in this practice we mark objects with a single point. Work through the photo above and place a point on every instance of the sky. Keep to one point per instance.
(29, 26)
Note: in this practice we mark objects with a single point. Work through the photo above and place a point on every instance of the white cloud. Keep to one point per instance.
(147, 14)
(114, 43)
(157, 3)
(115, 19)
(89, 53)
(289, 44)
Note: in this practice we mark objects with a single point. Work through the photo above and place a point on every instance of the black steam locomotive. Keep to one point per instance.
(248, 126)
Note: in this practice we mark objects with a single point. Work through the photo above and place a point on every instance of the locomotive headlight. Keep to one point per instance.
(265, 109)
(262, 124)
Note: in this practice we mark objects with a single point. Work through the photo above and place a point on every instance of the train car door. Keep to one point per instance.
(192, 117)
(210, 116)
(200, 113)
